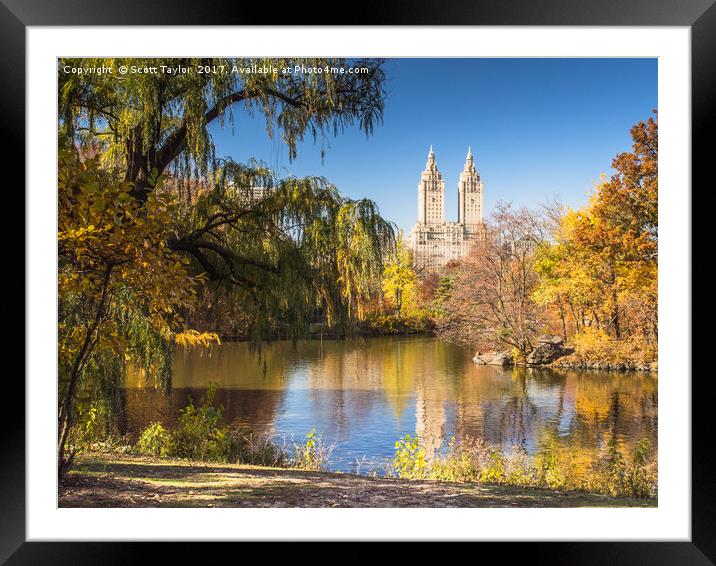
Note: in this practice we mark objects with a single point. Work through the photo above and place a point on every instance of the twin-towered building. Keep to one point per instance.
(434, 241)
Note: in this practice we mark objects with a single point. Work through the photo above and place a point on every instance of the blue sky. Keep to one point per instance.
(537, 127)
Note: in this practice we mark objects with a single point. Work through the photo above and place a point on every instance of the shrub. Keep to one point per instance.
(641, 475)
(460, 462)
(198, 436)
(312, 454)
(635, 477)
(260, 451)
(155, 440)
(518, 470)
(410, 459)
(473, 460)
(549, 472)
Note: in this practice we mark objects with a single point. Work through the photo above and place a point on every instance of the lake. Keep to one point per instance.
(362, 395)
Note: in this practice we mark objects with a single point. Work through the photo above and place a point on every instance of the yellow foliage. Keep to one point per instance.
(594, 345)
(118, 281)
(601, 267)
(192, 338)
(400, 281)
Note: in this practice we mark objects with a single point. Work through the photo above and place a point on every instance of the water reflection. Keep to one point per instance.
(365, 394)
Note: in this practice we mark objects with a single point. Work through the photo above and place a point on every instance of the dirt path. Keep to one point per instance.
(126, 481)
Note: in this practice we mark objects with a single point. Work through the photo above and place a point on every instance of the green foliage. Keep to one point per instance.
(301, 250)
(298, 251)
(147, 212)
(199, 435)
(387, 324)
(167, 116)
(86, 429)
(443, 292)
(549, 472)
(155, 440)
(410, 460)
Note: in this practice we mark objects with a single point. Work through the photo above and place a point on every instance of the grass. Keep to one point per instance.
(120, 480)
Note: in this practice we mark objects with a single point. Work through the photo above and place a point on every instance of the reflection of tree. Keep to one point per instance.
(350, 383)
(399, 369)
(251, 383)
(528, 405)
(249, 409)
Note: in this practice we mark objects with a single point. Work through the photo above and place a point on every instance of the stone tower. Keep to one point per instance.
(469, 193)
(433, 241)
(431, 194)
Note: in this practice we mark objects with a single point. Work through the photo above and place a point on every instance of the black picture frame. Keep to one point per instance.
(699, 15)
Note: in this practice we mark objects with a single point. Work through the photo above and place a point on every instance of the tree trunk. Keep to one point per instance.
(561, 315)
(67, 405)
(615, 305)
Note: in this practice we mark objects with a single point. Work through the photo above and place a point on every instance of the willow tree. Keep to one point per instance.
(305, 239)
(296, 249)
(155, 121)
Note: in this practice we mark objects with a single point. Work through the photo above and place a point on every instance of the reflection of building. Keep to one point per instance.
(430, 418)
(435, 242)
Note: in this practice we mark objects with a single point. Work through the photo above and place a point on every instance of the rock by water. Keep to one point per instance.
(498, 358)
(548, 349)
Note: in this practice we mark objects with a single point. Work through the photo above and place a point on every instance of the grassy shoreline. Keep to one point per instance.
(121, 480)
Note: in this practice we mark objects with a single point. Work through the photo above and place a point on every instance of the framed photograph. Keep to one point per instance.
(423, 278)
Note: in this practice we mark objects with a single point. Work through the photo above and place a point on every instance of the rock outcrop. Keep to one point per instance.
(549, 348)
(499, 358)
(571, 362)
(551, 352)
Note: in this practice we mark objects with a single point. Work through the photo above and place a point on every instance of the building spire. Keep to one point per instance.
(430, 165)
(469, 161)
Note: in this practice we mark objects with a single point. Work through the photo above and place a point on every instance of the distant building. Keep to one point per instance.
(434, 241)
(255, 193)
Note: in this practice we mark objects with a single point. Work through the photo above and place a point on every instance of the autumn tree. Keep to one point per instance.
(490, 300)
(602, 260)
(399, 279)
(121, 288)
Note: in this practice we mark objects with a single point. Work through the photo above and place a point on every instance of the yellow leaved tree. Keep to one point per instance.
(121, 290)
(399, 279)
